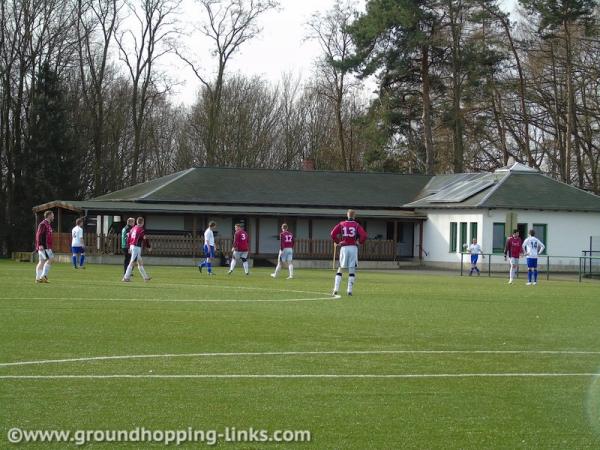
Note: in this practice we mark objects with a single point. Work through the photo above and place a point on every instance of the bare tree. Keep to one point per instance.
(331, 32)
(97, 19)
(229, 24)
(140, 49)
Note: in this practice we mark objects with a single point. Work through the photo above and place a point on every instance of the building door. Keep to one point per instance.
(404, 235)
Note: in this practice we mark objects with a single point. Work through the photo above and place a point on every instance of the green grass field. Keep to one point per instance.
(410, 361)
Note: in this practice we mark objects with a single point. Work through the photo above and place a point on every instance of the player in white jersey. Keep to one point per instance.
(475, 251)
(209, 248)
(77, 245)
(532, 247)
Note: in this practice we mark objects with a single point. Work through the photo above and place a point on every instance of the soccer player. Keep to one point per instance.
(347, 234)
(43, 245)
(513, 251)
(77, 244)
(475, 251)
(124, 238)
(286, 251)
(532, 247)
(240, 248)
(209, 248)
(137, 240)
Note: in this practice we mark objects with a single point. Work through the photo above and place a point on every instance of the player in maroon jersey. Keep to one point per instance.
(286, 251)
(513, 250)
(43, 245)
(137, 240)
(241, 246)
(347, 234)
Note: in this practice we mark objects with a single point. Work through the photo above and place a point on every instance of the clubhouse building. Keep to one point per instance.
(411, 219)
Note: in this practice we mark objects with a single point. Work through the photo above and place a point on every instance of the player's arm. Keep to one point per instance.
(335, 233)
(542, 248)
(506, 247)
(362, 235)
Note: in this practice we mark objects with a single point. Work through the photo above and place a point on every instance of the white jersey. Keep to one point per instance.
(475, 249)
(532, 247)
(77, 235)
(209, 237)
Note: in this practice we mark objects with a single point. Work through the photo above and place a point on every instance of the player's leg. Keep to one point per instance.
(202, 264)
(234, 258)
(81, 257)
(291, 269)
(74, 257)
(245, 263)
(529, 270)
(47, 265)
(338, 275)
(511, 275)
(133, 255)
(352, 265)
(126, 260)
(535, 270)
(140, 262)
(39, 268)
(278, 267)
(211, 255)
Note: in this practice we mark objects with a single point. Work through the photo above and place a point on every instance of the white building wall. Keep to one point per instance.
(568, 232)
(436, 234)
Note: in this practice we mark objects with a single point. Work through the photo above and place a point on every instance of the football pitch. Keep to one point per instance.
(409, 361)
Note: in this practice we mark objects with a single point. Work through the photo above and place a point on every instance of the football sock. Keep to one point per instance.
(46, 270)
(338, 280)
(232, 265)
(278, 268)
(529, 274)
(291, 269)
(74, 259)
(38, 272)
(245, 264)
(81, 260)
(535, 272)
(351, 278)
(209, 267)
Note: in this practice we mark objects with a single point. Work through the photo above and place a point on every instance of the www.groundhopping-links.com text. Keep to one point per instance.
(166, 437)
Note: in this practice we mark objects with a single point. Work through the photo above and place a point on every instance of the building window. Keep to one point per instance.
(473, 230)
(453, 236)
(499, 237)
(463, 236)
(541, 232)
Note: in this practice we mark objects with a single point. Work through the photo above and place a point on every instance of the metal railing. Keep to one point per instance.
(555, 265)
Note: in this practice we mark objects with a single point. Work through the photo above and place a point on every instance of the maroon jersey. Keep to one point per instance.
(513, 247)
(348, 232)
(43, 235)
(286, 240)
(137, 237)
(240, 241)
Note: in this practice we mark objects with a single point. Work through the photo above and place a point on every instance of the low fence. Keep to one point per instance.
(549, 266)
(188, 246)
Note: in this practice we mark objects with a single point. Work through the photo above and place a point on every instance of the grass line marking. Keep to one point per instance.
(296, 376)
(303, 353)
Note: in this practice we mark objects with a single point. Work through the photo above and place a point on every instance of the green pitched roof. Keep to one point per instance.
(276, 187)
(518, 187)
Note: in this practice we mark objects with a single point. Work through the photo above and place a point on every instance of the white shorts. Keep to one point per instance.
(286, 255)
(45, 254)
(348, 256)
(238, 255)
(513, 261)
(136, 252)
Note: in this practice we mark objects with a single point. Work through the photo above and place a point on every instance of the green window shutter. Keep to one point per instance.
(453, 236)
(463, 236)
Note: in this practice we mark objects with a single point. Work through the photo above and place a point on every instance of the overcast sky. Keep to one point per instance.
(281, 47)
